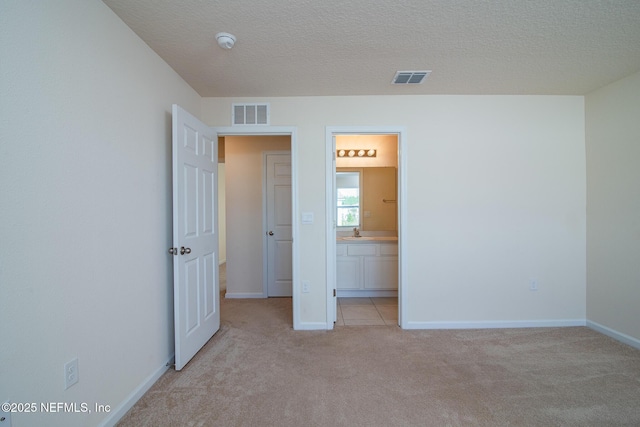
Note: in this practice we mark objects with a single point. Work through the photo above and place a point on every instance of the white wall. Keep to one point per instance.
(244, 175)
(85, 131)
(222, 214)
(496, 197)
(613, 209)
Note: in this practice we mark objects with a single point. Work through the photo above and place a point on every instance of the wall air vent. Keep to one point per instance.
(250, 114)
(410, 77)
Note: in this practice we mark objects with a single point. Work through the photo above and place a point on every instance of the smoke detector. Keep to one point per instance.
(225, 40)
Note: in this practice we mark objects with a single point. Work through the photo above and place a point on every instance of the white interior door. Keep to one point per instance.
(278, 213)
(195, 235)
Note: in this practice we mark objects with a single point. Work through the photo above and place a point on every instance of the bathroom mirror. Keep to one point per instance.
(367, 197)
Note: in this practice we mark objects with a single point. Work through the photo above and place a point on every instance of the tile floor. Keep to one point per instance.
(367, 311)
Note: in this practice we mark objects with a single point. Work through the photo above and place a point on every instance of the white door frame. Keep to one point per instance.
(330, 132)
(295, 250)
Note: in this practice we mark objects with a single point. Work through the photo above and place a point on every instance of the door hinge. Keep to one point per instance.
(334, 292)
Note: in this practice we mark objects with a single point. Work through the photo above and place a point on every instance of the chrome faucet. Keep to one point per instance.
(356, 232)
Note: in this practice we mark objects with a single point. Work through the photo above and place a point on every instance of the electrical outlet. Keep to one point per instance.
(5, 414)
(305, 286)
(533, 285)
(71, 375)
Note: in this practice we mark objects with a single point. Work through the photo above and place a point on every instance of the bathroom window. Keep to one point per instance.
(348, 199)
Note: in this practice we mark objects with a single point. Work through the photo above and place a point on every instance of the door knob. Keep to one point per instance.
(173, 251)
(184, 250)
(271, 233)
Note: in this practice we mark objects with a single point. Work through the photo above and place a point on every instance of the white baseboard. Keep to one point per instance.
(312, 326)
(345, 293)
(118, 412)
(619, 336)
(244, 295)
(497, 324)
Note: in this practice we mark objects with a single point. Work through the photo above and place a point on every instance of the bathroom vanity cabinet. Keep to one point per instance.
(367, 266)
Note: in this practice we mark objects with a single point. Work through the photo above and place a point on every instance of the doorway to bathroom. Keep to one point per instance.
(365, 207)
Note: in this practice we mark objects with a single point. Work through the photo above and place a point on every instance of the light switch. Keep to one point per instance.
(307, 217)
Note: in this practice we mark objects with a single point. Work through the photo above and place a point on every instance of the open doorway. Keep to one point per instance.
(366, 229)
(364, 200)
(244, 241)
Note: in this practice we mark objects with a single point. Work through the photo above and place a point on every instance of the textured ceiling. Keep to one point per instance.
(354, 47)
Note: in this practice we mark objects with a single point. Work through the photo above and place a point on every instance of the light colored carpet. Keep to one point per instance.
(257, 371)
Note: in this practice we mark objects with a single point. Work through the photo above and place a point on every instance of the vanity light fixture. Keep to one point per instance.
(357, 152)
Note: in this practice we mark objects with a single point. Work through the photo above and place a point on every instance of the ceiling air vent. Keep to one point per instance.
(410, 77)
(250, 114)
